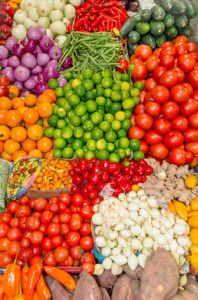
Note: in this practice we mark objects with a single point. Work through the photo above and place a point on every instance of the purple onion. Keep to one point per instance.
(40, 87)
(30, 83)
(62, 82)
(55, 53)
(28, 60)
(68, 62)
(3, 52)
(42, 30)
(9, 73)
(50, 72)
(40, 77)
(4, 63)
(36, 70)
(42, 59)
(37, 50)
(35, 77)
(13, 61)
(52, 63)
(21, 73)
(46, 43)
(24, 42)
(30, 46)
(11, 41)
(34, 33)
(19, 84)
(18, 50)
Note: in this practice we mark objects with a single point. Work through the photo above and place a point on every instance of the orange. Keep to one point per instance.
(11, 146)
(35, 132)
(49, 155)
(194, 235)
(28, 145)
(30, 100)
(6, 156)
(4, 133)
(19, 154)
(2, 116)
(17, 103)
(13, 91)
(36, 153)
(18, 134)
(44, 109)
(13, 118)
(22, 109)
(5, 103)
(44, 98)
(51, 94)
(1, 147)
(194, 204)
(30, 116)
(44, 144)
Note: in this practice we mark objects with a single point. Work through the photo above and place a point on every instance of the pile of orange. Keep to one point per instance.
(22, 123)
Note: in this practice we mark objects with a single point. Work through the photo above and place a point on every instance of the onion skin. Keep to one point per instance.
(11, 41)
(50, 72)
(13, 61)
(34, 33)
(42, 59)
(21, 73)
(68, 63)
(40, 87)
(18, 50)
(28, 60)
(3, 52)
(46, 43)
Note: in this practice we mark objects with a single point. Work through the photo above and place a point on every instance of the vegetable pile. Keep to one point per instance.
(166, 120)
(6, 21)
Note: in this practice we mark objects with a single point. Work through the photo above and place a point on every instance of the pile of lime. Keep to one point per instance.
(91, 116)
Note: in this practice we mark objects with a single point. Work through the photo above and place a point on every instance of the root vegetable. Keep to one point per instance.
(125, 289)
(192, 285)
(57, 290)
(107, 279)
(188, 295)
(136, 274)
(105, 295)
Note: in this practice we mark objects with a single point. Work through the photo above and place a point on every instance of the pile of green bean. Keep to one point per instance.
(97, 51)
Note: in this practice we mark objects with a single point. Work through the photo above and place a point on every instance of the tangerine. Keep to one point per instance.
(4, 133)
(44, 109)
(49, 155)
(28, 145)
(35, 132)
(6, 156)
(13, 91)
(5, 103)
(2, 116)
(13, 118)
(30, 116)
(36, 153)
(51, 94)
(30, 100)
(19, 154)
(1, 147)
(11, 146)
(18, 134)
(44, 144)
(17, 103)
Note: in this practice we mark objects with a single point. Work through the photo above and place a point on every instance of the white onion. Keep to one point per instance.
(43, 8)
(44, 22)
(19, 32)
(20, 16)
(75, 2)
(28, 23)
(56, 15)
(60, 40)
(59, 4)
(58, 27)
(69, 11)
(29, 4)
(33, 14)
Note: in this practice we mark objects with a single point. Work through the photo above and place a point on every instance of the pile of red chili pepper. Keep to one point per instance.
(6, 21)
(100, 15)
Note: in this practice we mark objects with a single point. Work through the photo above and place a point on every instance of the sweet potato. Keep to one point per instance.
(87, 288)
(125, 289)
(177, 297)
(136, 274)
(107, 279)
(188, 295)
(160, 279)
(192, 285)
(105, 294)
(57, 290)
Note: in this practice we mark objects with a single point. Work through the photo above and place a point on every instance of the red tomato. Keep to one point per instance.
(177, 157)
(152, 63)
(49, 260)
(85, 229)
(173, 139)
(22, 222)
(169, 78)
(180, 123)
(135, 133)
(12, 206)
(140, 108)
(54, 207)
(142, 96)
(139, 72)
(136, 61)
(148, 98)
(75, 224)
(32, 223)
(40, 204)
(167, 61)
(36, 259)
(88, 258)
(53, 229)
(160, 94)
(14, 222)
(180, 93)
(189, 108)
(36, 237)
(195, 95)
(88, 267)
(64, 229)
(162, 126)
(60, 254)
(144, 147)
(181, 49)
(65, 198)
(4, 80)
(158, 72)
(169, 50)
(193, 78)
(5, 258)
(86, 243)
(192, 47)
(76, 252)
(152, 138)
(14, 234)
(24, 200)
(193, 120)
(191, 135)
(123, 65)
(65, 217)
(86, 212)
(23, 211)
(144, 121)
(73, 238)
(157, 51)
(25, 242)
(153, 109)
(149, 84)
(46, 217)
(53, 200)
(47, 244)
(4, 242)
(186, 62)
(181, 39)
(77, 200)
(170, 110)
(57, 241)
(69, 261)
(6, 217)
(180, 74)
(189, 157)
(192, 147)
(159, 151)
(143, 52)
(4, 91)
(13, 248)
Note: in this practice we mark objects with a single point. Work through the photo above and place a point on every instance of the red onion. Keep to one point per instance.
(68, 62)
(46, 43)
(41, 87)
(30, 46)
(19, 84)
(35, 78)
(3, 52)
(13, 61)
(42, 59)
(52, 63)
(9, 73)
(18, 50)
(40, 77)
(50, 72)
(21, 73)
(34, 33)
(30, 83)
(28, 60)
(42, 30)
(36, 70)
(62, 82)
(37, 50)
(4, 63)
(55, 53)
(11, 41)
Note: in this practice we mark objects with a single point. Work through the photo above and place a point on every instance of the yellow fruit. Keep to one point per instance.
(194, 235)
(188, 208)
(181, 210)
(135, 188)
(194, 249)
(194, 204)
(194, 262)
(191, 181)
(193, 213)
(193, 221)
(171, 207)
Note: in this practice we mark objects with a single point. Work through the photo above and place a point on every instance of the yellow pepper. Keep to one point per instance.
(193, 221)
(194, 262)
(193, 213)
(181, 210)
(194, 236)
(191, 181)
(135, 188)
(194, 249)
(194, 204)
(171, 207)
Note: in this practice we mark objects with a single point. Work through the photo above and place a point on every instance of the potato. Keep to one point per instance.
(192, 285)
(136, 274)
(125, 289)
(188, 295)
(105, 294)
(107, 279)
(177, 297)
(160, 279)
(57, 290)
(87, 288)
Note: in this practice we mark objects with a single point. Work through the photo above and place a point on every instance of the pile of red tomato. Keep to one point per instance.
(55, 231)
(166, 120)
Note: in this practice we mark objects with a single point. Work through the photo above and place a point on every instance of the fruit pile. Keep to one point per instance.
(167, 119)
(23, 122)
(91, 116)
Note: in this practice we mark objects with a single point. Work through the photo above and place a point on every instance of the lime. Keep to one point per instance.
(68, 75)
(139, 85)
(67, 106)
(71, 114)
(74, 100)
(59, 92)
(108, 104)
(101, 144)
(57, 153)
(91, 145)
(67, 88)
(61, 112)
(67, 133)
(115, 107)
(80, 77)
(105, 126)
(91, 105)
(118, 75)
(110, 136)
(107, 93)
(125, 77)
(138, 155)
(40, 122)
(88, 126)
(134, 92)
(68, 94)
(55, 109)
(116, 96)
(107, 82)
(116, 144)
(84, 149)
(60, 102)
(123, 142)
(125, 95)
(80, 90)
(88, 84)
(114, 157)
(80, 110)
(109, 118)
(107, 73)
(121, 133)
(53, 83)
(121, 153)
(134, 144)
(79, 153)
(53, 120)
(136, 100)
(128, 113)
(57, 133)
(89, 155)
(120, 115)
(49, 132)
(97, 133)
(128, 103)
(85, 118)
(110, 147)
(90, 95)
(87, 136)
(100, 101)
(116, 125)
(126, 124)
(77, 144)
(60, 143)
(75, 82)
(67, 152)
(78, 132)
(125, 86)
(75, 121)
(102, 154)
(128, 151)
(87, 73)
(61, 124)
(100, 91)
(96, 117)
(97, 78)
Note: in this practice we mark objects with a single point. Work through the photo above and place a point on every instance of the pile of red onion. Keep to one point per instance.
(29, 64)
